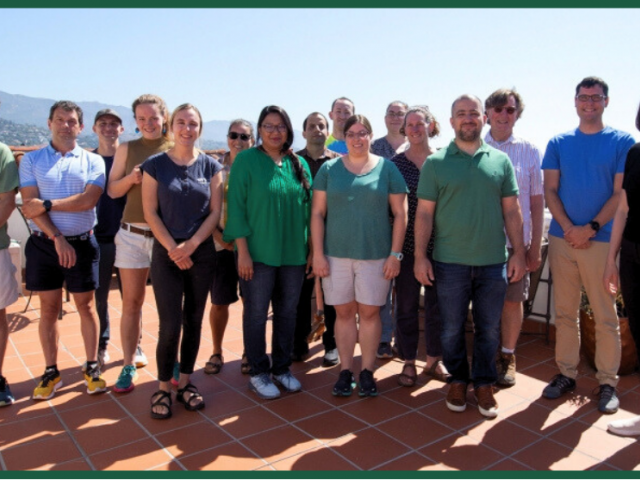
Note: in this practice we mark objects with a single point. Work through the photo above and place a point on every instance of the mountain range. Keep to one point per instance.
(26, 123)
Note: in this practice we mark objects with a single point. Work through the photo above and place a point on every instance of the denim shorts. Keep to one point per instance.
(132, 250)
(44, 271)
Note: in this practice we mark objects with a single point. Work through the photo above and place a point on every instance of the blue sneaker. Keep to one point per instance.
(6, 397)
(176, 374)
(126, 379)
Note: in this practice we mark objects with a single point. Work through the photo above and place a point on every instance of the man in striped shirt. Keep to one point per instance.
(60, 186)
(503, 108)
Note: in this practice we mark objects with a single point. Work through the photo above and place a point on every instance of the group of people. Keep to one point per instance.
(463, 224)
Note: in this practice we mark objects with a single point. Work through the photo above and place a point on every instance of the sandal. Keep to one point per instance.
(214, 365)
(158, 400)
(406, 379)
(433, 372)
(194, 402)
(245, 367)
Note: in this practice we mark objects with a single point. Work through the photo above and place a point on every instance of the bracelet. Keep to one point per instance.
(55, 235)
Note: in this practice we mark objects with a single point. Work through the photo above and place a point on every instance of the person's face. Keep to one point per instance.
(64, 126)
(503, 118)
(417, 129)
(237, 144)
(467, 120)
(274, 139)
(340, 113)
(316, 131)
(590, 110)
(149, 120)
(186, 127)
(358, 140)
(394, 117)
(108, 127)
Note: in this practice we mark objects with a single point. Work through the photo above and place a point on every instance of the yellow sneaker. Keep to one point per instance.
(51, 381)
(94, 381)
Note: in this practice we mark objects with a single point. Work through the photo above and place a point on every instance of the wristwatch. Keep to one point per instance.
(398, 255)
(47, 205)
(595, 225)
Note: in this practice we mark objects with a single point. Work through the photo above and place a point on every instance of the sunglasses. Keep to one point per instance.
(243, 136)
(510, 110)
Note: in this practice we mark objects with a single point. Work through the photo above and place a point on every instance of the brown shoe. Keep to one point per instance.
(486, 403)
(457, 397)
(506, 365)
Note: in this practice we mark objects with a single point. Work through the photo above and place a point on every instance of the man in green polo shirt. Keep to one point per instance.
(468, 193)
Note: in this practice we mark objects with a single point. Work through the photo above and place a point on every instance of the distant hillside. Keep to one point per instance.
(33, 112)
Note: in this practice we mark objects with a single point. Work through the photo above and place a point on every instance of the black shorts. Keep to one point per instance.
(44, 271)
(224, 289)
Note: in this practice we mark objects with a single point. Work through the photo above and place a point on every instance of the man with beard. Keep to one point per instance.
(469, 194)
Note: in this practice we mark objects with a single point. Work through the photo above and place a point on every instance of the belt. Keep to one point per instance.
(73, 238)
(139, 231)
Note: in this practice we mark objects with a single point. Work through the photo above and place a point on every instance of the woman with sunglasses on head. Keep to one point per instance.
(224, 289)
(356, 249)
(419, 125)
(182, 198)
(269, 200)
(134, 240)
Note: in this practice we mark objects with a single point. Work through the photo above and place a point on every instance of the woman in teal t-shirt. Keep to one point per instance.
(268, 217)
(356, 249)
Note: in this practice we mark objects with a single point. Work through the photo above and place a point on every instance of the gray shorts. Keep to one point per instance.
(519, 291)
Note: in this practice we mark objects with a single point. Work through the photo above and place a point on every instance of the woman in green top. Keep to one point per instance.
(268, 206)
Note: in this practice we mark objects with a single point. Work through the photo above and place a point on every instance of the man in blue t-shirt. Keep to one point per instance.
(341, 109)
(60, 186)
(583, 171)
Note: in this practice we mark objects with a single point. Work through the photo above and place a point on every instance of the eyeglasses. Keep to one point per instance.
(360, 134)
(270, 128)
(596, 97)
(243, 136)
(510, 110)
(396, 114)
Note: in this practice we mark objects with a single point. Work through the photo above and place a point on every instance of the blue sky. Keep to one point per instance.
(232, 62)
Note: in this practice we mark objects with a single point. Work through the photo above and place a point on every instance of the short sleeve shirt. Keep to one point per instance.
(335, 145)
(468, 192)
(631, 185)
(184, 192)
(357, 223)
(8, 182)
(58, 176)
(383, 148)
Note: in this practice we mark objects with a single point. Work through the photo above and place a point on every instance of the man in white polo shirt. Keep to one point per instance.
(60, 186)
(503, 108)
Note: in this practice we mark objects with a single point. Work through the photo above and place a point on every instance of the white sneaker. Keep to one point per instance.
(263, 386)
(140, 359)
(628, 427)
(103, 356)
(330, 358)
(288, 382)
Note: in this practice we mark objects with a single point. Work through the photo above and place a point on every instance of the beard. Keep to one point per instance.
(468, 135)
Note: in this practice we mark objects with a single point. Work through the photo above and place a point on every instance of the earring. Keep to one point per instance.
(164, 130)
(137, 130)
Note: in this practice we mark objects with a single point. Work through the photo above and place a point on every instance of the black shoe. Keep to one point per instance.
(608, 401)
(345, 384)
(368, 386)
(558, 386)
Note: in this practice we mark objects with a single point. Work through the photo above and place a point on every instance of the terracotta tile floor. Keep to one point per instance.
(402, 429)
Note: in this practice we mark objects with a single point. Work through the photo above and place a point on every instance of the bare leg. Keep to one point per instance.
(346, 333)
(134, 282)
(218, 319)
(369, 334)
(512, 314)
(89, 324)
(4, 336)
(50, 304)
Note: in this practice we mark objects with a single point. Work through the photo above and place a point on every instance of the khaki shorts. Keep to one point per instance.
(359, 280)
(518, 292)
(132, 250)
(8, 284)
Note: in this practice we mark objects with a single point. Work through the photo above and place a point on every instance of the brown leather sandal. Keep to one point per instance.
(214, 365)
(245, 367)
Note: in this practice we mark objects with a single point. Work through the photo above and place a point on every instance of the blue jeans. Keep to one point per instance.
(486, 287)
(281, 286)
